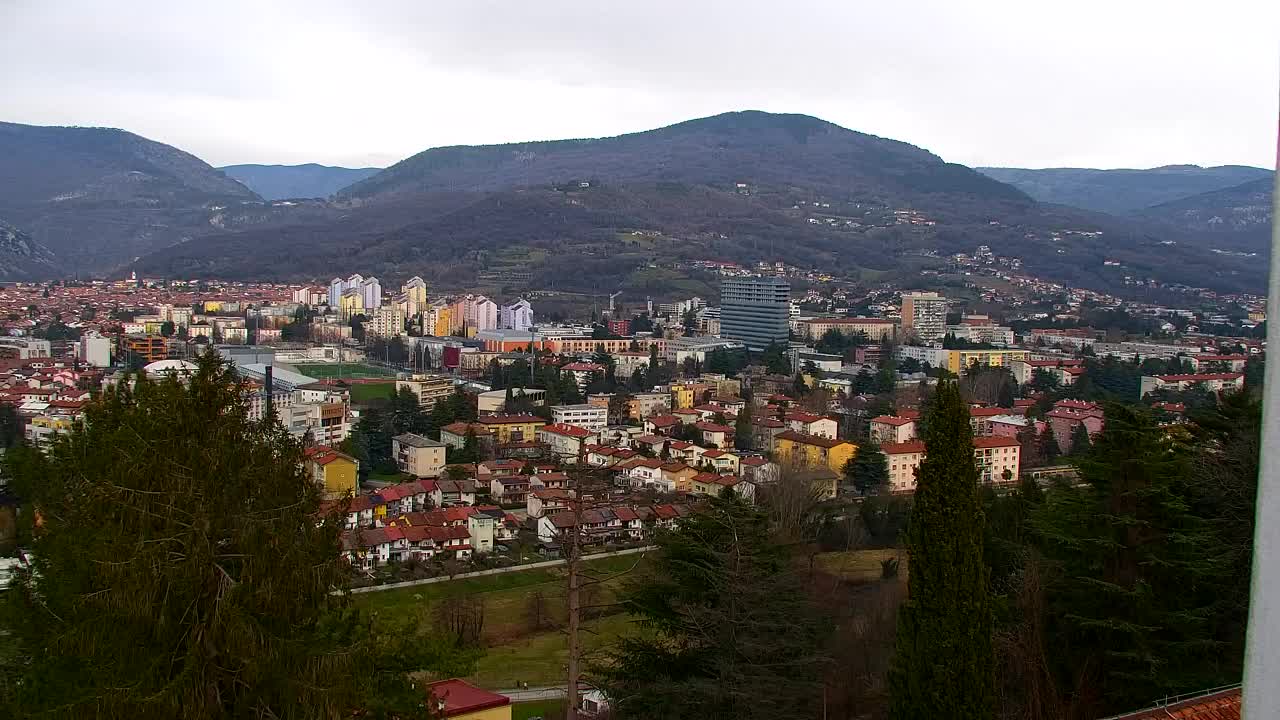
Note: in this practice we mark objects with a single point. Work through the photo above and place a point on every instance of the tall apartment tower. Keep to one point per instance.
(924, 316)
(754, 310)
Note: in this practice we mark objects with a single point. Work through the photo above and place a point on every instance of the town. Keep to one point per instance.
(457, 434)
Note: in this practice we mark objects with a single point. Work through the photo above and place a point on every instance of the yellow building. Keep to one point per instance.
(334, 473)
(681, 397)
(512, 428)
(212, 306)
(444, 322)
(812, 450)
(961, 359)
(460, 700)
(351, 304)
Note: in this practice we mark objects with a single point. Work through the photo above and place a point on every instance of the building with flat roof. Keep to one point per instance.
(924, 316)
(755, 310)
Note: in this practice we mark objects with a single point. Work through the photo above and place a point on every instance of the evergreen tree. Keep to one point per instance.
(1080, 442)
(1005, 395)
(1049, 450)
(867, 470)
(742, 428)
(1135, 598)
(775, 360)
(798, 385)
(184, 569)
(1029, 441)
(944, 665)
(734, 634)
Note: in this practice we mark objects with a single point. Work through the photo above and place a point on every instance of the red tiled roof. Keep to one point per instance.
(712, 427)
(893, 420)
(987, 411)
(754, 461)
(664, 420)
(911, 446)
(796, 437)
(508, 419)
(1225, 705)
(582, 367)
(1198, 377)
(461, 697)
(572, 431)
(994, 441)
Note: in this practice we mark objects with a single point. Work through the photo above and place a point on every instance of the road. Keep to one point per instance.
(495, 571)
(550, 692)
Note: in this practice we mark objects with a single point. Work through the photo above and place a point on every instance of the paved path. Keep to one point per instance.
(495, 571)
(550, 692)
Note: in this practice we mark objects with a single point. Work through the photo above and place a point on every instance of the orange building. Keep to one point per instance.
(148, 347)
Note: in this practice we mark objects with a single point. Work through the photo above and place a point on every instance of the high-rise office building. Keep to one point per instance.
(924, 316)
(754, 310)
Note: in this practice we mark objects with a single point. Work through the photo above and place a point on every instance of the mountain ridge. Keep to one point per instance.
(1123, 191)
(307, 180)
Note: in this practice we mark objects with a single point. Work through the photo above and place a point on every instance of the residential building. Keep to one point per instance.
(151, 348)
(460, 700)
(642, 406)
(517, 316)
(429, 389)
(1074, 338)
(1213, 382)
(509, 489)
(587, 416)
(1218, 363)
(813, 451)
(993, 457)
(95, 349)
(1064, 370)
(809, 424)
(876, 329)
(755, 310)
(511, 428)
(1067, 414)
(546, 500)
(583, 372)
(335, 473)
(327, 421)
(566, 442)
(891, 429)
(418, 455)
(981, 329)
(42, 429)
(386, 321)
(924, 316)
(957, 361)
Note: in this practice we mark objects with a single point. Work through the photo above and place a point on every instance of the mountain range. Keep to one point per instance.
(1124, 191)
(283, 182)
(605, 213)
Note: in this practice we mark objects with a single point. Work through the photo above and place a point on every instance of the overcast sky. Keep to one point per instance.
(1119, 83)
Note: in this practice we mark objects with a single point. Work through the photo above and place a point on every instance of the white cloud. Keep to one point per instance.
(1004, 83)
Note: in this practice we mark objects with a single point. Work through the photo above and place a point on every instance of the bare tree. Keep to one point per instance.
(462, 618)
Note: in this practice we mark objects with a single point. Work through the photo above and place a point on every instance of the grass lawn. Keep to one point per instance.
(512, 653)
(322, 371)
(365, 392)
(395, 477)
(859, 565)
(541, 659)
(545, 709)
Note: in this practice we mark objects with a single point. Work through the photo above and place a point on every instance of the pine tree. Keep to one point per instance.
(868, 469)
(742, 428)
(1140, 571)
(734, 634)
(944, 665)
(1049, 450)
(184, 569)
(1080, 442)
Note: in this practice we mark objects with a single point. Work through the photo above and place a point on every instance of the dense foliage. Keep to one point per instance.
(183, 570)
(945, 665)
(733, 634)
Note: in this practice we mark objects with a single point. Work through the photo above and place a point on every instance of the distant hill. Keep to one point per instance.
(755, 148)
(280, 182)
(1123, 191)
(624, 212)
(21, 258)
(98, 197)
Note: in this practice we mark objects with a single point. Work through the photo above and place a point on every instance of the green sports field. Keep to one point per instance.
(324, 371)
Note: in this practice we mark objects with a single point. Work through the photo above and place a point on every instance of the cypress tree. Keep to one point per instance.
(868, 469)
(944, 665)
